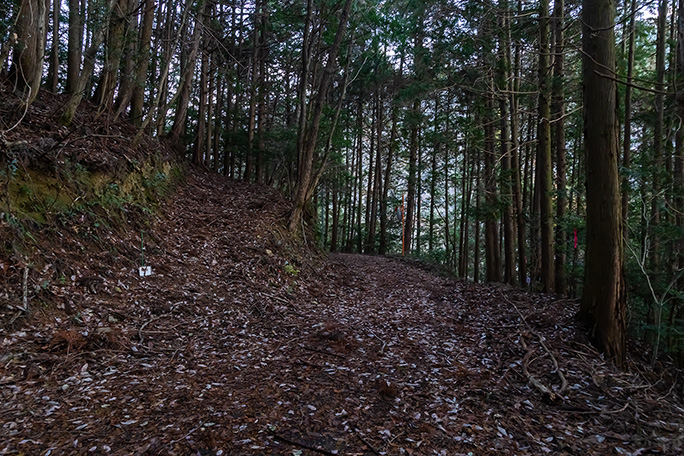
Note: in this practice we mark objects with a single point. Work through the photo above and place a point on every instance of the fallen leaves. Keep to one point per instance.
(221, 351)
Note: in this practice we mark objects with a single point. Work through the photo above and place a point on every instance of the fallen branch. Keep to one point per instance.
(306, 446)
(547, 393)
(539, 386)
(564, 381)
(24, 285)
(382, 350)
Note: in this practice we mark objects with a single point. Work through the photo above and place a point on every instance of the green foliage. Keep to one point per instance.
(290, 270)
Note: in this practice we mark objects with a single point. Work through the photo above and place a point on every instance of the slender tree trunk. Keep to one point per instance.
(359, 191)
(419, 194)
(544, 163)
(143, 59)
(369, 187)
(377, 179)
(658, 138)
(433, 178)
(476, 221)
(558, 108)
(307, 146)
(603, 305)
(114, 46)
(413, 174)
(385, 189)
(209, 154)
(492, 244)
(53, 72)
(335, 214)
(447, 229)
(678, 177)
(261, 86)
(200, 136)
(254, 78)
(506, 172)
(187, 76)
(627, 137)
(74, 46)
(127, 77)
(87, 71)
(514, 87)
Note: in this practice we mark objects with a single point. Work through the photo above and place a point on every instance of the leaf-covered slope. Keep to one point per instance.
(243, 342)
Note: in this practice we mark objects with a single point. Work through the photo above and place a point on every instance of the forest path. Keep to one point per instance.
(242, 343)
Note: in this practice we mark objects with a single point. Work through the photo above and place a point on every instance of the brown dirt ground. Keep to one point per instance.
(242, 342)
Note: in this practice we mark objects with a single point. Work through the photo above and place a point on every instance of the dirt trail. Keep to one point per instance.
(242, 343)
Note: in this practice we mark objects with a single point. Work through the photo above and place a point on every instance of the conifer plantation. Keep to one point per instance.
(341, 227)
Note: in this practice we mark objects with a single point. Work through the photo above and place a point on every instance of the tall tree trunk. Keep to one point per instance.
(514, 87)
(87, 71)
(603, 305)
(544, 163)
(143, 59)
(29, 50)
(377, 179)
(369, 187)
(187, 75)
(74, 46)
(658, 138)
(506, 171)
(433, 178)
(307, 146)
(492, 244)
(261, 86)
(254, 78)
(130, 59)
(678, 177)
(385, 188)
(53, 72)
(558, 108)
(335, 214)
(478, 200)
(627, 136)
(114, 47)
(413, 174)
(200, 136)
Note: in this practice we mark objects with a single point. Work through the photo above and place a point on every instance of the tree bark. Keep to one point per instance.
(506, 172)
(306, 151)
(412, 174)
(29, 50)
(544, 163)
(87, 71)
(627, 136)
(114, 46)
(187, 75)
(143, 59)
(658, 138)
(603, 305)
(514, 87)
(558, 108)
(492, 244)
(53, 72)
(74, 46)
